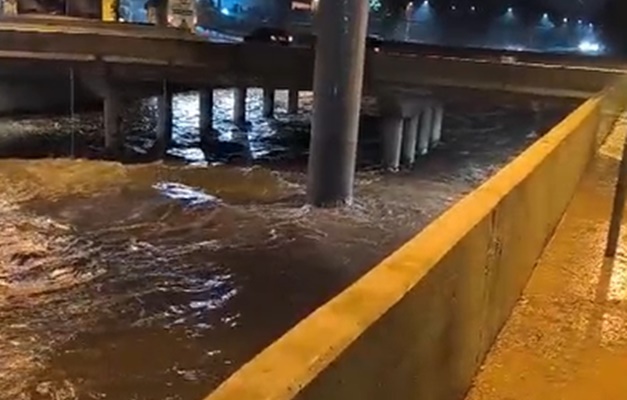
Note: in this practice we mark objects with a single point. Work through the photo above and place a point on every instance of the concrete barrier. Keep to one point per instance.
(533, 78)
(419, 324)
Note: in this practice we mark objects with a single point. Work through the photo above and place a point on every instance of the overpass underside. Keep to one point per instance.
(149, 56)
(50, 74)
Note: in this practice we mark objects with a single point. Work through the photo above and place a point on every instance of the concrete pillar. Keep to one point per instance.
(206, 111)
(292, 101)
(392, 130)
(164, 117)
(268, 102)
(436, 133)
(114, 137)
(410, 139)
(338, 76)
(239, 105)
(426, 126)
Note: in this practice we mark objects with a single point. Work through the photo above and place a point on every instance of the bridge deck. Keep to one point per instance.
(567, 337)
(150, 55)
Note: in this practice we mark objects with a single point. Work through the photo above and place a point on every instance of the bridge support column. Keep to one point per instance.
(338, 76)
(268, 102)
(206, 111)
(114, 137)
(392, 139)
(164, 118)
(436, 133)
(410, 140)
(426, 127)
(239, 105)
(292, 101)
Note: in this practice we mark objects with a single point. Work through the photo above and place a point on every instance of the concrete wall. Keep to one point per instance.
(533, 78)
(419, 324)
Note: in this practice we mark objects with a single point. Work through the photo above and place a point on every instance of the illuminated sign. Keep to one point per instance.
(309, 5)
(182, 14)
(8, 7)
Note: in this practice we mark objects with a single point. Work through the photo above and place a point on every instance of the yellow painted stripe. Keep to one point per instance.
(294, 360)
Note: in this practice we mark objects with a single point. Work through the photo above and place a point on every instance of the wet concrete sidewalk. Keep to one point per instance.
(567, 337)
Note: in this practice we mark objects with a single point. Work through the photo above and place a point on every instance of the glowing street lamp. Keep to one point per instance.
(545, 21)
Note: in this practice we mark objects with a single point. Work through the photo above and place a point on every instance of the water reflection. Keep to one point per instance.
(157, 280)
(187, 195)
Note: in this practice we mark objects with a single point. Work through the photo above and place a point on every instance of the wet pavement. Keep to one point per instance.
(157, 280)
(567, 337)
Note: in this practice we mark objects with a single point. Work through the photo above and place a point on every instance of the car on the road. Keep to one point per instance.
(269, 35)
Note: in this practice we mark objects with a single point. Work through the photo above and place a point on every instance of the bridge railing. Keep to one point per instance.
(419, 324)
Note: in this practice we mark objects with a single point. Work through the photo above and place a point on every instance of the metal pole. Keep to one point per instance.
(619, 205)
(72, 113)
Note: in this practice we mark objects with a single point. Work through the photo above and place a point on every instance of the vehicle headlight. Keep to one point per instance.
(290, 38)
(272, 37)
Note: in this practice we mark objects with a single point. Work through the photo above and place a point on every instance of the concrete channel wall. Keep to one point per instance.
(420, 323)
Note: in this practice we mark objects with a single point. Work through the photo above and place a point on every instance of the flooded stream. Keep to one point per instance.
(157, 280)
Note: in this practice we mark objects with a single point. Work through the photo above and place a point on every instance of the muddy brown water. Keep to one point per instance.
(157, 280)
